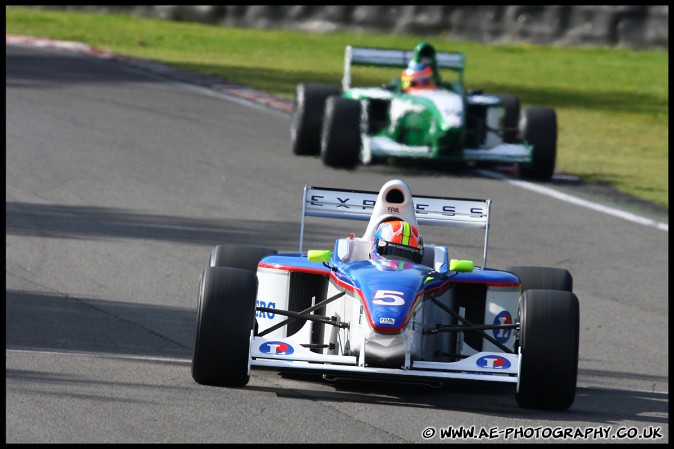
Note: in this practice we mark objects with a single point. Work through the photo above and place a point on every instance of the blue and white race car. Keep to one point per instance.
(386, 306)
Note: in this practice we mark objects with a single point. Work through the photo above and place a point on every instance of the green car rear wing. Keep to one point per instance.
(381, 57)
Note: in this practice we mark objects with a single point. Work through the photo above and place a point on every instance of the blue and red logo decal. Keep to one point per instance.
(503, 335)
(276, 348)
(493, 361)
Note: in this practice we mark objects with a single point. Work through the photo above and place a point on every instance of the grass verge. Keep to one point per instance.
(612, 104)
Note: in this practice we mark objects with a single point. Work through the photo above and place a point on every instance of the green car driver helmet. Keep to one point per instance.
(425, 52)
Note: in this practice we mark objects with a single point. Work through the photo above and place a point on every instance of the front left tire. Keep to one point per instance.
(548, 278)
(548, 349)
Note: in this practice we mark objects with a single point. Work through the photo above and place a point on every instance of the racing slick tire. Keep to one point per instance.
(238, 256)
(225, 316)
(307, 117)
(548, 347)
(543, 278)
(538, 127)
(340, 141)
(511, 118)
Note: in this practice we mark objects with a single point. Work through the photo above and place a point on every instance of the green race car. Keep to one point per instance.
(420, 117)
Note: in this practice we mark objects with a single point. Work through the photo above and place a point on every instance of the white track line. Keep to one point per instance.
(578, 201)
(101, 355)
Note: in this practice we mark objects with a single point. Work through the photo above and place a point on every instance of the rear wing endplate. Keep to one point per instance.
(394, 58)
(429, 210)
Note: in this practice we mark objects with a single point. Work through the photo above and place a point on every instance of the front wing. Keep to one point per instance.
(384, 147)
(289, 355)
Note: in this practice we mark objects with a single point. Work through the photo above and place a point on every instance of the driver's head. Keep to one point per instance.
(417, 76)
(398, 240)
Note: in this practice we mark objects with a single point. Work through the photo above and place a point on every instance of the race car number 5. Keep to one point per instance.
(388, 298)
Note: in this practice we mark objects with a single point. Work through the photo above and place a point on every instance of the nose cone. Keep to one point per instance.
(389, 292)
(387, 351)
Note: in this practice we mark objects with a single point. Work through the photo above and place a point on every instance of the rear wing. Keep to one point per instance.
(395, 58)
(428, 210)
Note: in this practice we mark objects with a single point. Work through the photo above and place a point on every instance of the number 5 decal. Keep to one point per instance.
(388, 298)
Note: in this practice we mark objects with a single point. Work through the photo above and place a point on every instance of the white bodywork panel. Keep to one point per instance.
(272, 291)
(449, 104)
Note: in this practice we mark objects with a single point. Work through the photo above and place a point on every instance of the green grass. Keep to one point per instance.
(612, 104)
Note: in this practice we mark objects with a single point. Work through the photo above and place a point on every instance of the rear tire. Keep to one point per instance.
(225, 317)
(538, 127)
(548, 347)
(543, 278)
(238, 256)
(511, 106)
(341, 140)
(307, 117)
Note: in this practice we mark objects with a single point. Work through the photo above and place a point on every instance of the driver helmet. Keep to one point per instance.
(417, 76)
(397, 239)
(425, 52)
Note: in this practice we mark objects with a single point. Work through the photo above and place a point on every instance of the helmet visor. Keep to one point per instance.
(390, 250)
(422, 82)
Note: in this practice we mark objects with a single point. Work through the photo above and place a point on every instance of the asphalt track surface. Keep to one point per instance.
(119, 182)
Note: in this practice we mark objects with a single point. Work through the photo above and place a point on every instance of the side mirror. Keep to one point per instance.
(319, 255)
(463, 266)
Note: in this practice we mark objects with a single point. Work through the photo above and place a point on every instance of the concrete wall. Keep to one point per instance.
(627, 26)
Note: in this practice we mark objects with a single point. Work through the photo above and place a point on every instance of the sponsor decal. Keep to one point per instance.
(388, 298)
(467, 210)
(503, 335)
(493, 361)
(390, 321)
(276, 347)
(266, 315)
(346, 203)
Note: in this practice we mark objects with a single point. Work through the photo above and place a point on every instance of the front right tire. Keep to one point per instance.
(225, 320)
(307, 117)
(238, 256)
(341, 139)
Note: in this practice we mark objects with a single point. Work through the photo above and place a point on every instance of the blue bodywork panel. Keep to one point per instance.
(389, 289)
